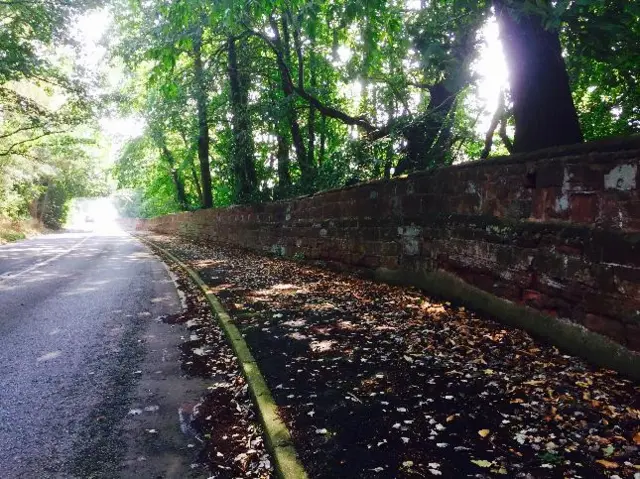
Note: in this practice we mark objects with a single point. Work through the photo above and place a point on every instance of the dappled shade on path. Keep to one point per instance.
(382, 381)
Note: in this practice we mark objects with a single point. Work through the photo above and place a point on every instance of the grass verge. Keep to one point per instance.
(11, 230)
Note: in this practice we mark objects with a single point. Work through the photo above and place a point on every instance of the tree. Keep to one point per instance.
(602, 41)
(289, 98)
(243, 146)
(47, 135)
(543, 107)
(203, 123)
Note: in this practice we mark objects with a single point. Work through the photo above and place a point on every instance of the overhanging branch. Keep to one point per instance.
(324, 109)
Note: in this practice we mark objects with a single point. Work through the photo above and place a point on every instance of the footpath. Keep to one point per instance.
(378, 381)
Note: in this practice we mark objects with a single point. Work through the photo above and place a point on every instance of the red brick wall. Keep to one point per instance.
(558, 230)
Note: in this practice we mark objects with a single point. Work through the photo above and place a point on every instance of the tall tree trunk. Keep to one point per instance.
(194, 173)
(503, 131)
(388, 161)
(543, 108)
(311, 123)
(323, 140)
(244, 172)
(181, 196)
(203, 123)
(284, 176)
(196, 182)
(307, 172)
(497, 118)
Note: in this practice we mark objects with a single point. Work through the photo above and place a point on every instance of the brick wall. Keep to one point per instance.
(557, 230)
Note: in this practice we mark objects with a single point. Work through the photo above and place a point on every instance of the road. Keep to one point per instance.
(81, 347)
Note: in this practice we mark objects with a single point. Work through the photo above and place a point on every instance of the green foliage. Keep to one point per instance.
(603, 43)
(48, 148)
(9, 235)
(328, 93)
(27, 26)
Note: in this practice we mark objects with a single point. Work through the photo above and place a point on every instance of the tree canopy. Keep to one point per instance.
(47, 144)
(255, 101)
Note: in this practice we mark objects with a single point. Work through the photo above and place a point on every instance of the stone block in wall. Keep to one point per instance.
(586, 176)
(549, 174)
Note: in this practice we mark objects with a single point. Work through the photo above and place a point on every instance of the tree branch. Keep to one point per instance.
(326, 110)
(497, 117)
(9, 150)
(503, 131)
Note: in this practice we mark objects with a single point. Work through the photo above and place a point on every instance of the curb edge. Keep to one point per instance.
(278, 437)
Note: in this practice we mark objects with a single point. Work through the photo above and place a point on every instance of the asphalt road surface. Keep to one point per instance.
(90, 381)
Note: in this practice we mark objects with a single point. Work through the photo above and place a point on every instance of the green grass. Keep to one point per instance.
(17, 229)
(7, 235)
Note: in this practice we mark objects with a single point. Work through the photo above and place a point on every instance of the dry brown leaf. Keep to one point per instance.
(607, 464)
(636, 438)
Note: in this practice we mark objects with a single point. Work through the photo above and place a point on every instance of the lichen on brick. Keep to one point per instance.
(622, 177)
(410, 239)
(562, 201)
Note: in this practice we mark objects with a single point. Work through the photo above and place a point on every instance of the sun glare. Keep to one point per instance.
(492, 70)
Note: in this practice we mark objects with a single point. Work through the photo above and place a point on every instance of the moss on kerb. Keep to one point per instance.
(569, 337)
(277, 435)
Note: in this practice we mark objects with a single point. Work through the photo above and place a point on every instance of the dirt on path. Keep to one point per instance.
(382, 381)
(222, 423)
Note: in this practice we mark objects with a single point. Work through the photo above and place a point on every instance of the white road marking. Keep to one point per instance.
(48, 356)
(9, 275)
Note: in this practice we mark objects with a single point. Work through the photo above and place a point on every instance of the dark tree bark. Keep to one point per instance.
(495, 120)
(244, 172)
(283, 43)
(388, 162)
(203, 123)
(325, 110)
(178, 182)
(194, 173)
(284, 176)
(323, 140)
(181, 196)
(311, 122)
(543, 108)
(503, 132)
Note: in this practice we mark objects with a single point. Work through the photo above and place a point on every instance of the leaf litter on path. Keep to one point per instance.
(224, 423)
(398, 381)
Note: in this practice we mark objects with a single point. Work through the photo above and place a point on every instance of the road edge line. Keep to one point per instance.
(44, 262)
(279, 442)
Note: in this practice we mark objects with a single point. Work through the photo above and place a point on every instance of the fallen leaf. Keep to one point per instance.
(608, 450)
(482, 462)
(533, 383)
(484, 432)
(607, 464)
